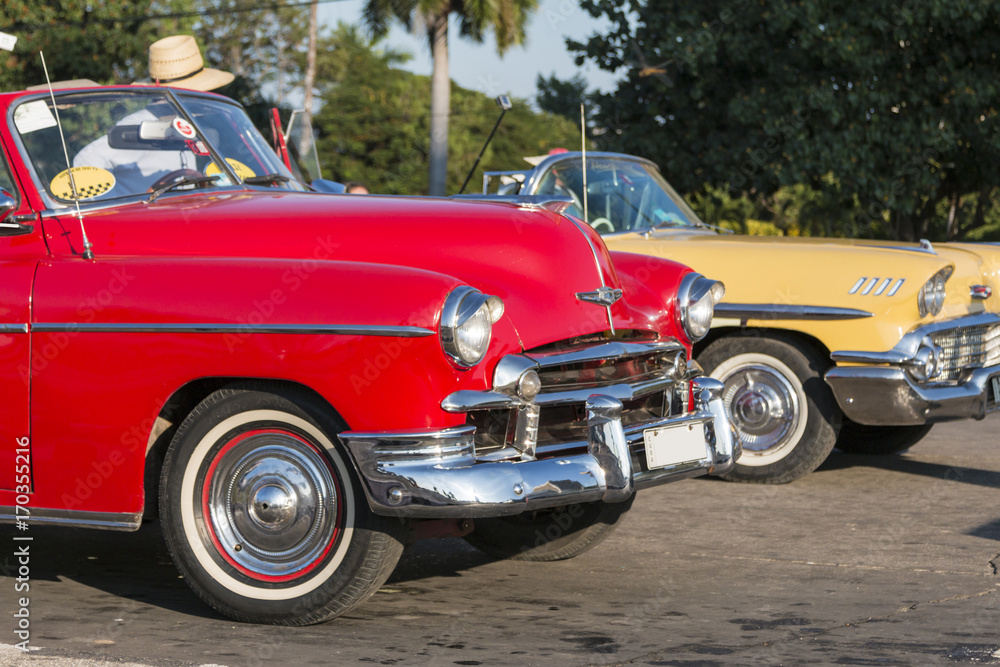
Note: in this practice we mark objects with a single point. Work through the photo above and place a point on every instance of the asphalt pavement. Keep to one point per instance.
(868, 561)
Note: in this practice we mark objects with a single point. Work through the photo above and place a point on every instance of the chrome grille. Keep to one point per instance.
(603, 372)
(968, 347)
(572, 371)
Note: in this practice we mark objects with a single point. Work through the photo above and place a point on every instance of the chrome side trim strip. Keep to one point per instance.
(13, 328)
(74, 518)
(777, 311)
(170, 327)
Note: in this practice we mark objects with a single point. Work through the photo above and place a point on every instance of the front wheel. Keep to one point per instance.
(548, 535)
(785, 414)
(879, 440)
(264, 517)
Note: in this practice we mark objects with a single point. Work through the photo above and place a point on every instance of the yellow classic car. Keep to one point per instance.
(819, 342)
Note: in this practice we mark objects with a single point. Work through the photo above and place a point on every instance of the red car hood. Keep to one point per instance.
(536, 261)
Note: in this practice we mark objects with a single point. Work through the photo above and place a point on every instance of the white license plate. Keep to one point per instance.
(675, 444)
(995, 381)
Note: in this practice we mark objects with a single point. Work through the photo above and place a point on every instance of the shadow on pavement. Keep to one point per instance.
(137, 566)
(902, 463)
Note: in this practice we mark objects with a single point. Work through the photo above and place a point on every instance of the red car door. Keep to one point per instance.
(21, 246)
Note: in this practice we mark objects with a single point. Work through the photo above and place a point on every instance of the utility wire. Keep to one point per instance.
(15, 27)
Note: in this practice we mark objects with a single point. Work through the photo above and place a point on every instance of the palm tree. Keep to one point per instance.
(507, 19)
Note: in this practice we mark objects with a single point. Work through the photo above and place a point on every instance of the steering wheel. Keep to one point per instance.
(602, 225)
(173, 177)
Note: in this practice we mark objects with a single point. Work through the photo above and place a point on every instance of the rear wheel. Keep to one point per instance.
(785, 414)
(548, 535)
(264, 517)
(879, 440)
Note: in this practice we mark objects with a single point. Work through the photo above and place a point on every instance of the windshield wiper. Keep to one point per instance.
(199, 180)
(266, 179)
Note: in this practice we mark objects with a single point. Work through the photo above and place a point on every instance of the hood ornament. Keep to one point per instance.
(604, 296)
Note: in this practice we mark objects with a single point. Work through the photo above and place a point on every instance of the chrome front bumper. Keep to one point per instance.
(885, 392)
(435, 474)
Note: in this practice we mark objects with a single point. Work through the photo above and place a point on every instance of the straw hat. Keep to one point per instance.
(176, 61)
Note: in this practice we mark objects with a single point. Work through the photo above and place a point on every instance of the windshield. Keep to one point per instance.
(622, 195)
(123, 143)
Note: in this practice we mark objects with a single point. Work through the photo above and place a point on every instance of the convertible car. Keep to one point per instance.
(820, 342)
(299, 383)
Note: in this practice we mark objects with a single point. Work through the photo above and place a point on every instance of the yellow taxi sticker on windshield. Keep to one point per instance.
(241, 169)
(90, 182)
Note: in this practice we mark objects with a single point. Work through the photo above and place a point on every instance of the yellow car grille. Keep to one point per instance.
(969, 347)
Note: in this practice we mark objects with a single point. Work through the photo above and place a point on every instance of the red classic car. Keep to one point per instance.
(300, 383)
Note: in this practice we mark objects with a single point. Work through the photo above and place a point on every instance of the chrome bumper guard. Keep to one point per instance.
(434, 474)
(891, 394)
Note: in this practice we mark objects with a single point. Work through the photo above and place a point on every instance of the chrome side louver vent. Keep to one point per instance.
(877, 286)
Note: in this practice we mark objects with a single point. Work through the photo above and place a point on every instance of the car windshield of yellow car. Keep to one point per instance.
(125, 143)
(622, 195)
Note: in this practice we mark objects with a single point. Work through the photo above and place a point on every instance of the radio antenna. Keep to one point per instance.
(88, 253)
(583, 146)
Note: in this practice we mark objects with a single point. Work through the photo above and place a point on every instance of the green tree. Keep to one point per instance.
(506, 19)
(890, 108)
(102, 41)
(564, 96)
(373, 126)
(255, 41)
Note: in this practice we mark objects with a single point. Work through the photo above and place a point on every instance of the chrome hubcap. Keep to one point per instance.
(273, 504)
(763, 405)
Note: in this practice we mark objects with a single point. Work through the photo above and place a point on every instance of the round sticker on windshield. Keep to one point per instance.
(184, 128)
(90, 182)
(243, 171)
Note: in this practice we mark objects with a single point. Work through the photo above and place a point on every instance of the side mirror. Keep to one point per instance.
(12, 226)
(7, 204)
(328, 187)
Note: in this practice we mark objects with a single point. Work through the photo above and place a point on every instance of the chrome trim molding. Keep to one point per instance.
(398, 482)
(74, 518)
(13, 328)
(777, 311)
(170, 327)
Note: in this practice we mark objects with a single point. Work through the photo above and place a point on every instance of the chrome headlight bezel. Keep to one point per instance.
(696, 299)
(926, 363)
(467, 320)
(931, 297)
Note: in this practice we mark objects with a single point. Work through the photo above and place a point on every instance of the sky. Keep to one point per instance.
(478, 67)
